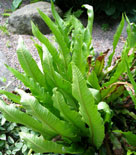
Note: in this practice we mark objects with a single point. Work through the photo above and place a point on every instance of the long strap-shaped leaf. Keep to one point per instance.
(28, 63)
(14, 115)
(48, 68)
(116, 39)
(88, 108)
(11, 96)
(53, 51)
(70, 115)
(130, 74)
(131, 80)
(131, 33)
(59, 37)
(121, 67)
(35, 88)
(60, 24)
(45, 41)
(38, 144)
(88, 30)
(93, 80)
(48, 119)
(131, 138)
(37, 91)
(39, 50)
(78, 55)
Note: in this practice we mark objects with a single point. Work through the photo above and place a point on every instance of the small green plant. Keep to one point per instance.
(4, 29)
(76, 104)
(6, 14)
(8, 44)
(3, 79)
(10, 142)
(105, 27)
(16, 4)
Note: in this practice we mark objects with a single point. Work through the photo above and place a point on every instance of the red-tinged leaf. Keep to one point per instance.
(99, 64)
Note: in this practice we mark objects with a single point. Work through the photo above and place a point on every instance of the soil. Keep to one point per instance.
(102, 40)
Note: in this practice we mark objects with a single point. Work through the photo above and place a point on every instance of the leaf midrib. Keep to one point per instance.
(14, 118)
(46, 123)
(68, 117)
(90, 122)
(53, 28)
(27, 65)
(65, 114)
(41, 148)
(21, 51)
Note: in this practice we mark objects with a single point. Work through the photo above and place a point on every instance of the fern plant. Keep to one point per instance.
(69, 104)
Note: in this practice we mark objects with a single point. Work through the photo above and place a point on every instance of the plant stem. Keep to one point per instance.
(30, 151)
(107, 146)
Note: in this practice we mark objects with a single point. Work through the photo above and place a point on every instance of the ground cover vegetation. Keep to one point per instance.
(77, 104)
(10, 143)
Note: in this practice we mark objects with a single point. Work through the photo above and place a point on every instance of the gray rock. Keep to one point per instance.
(20, 20)
(4, 73)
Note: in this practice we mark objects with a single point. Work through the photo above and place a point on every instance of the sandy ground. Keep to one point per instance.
(102, 40)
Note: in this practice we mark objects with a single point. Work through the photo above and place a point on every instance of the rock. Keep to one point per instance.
(20, 21)
(4, 73)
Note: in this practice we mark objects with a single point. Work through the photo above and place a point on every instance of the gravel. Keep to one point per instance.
(102, 40)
